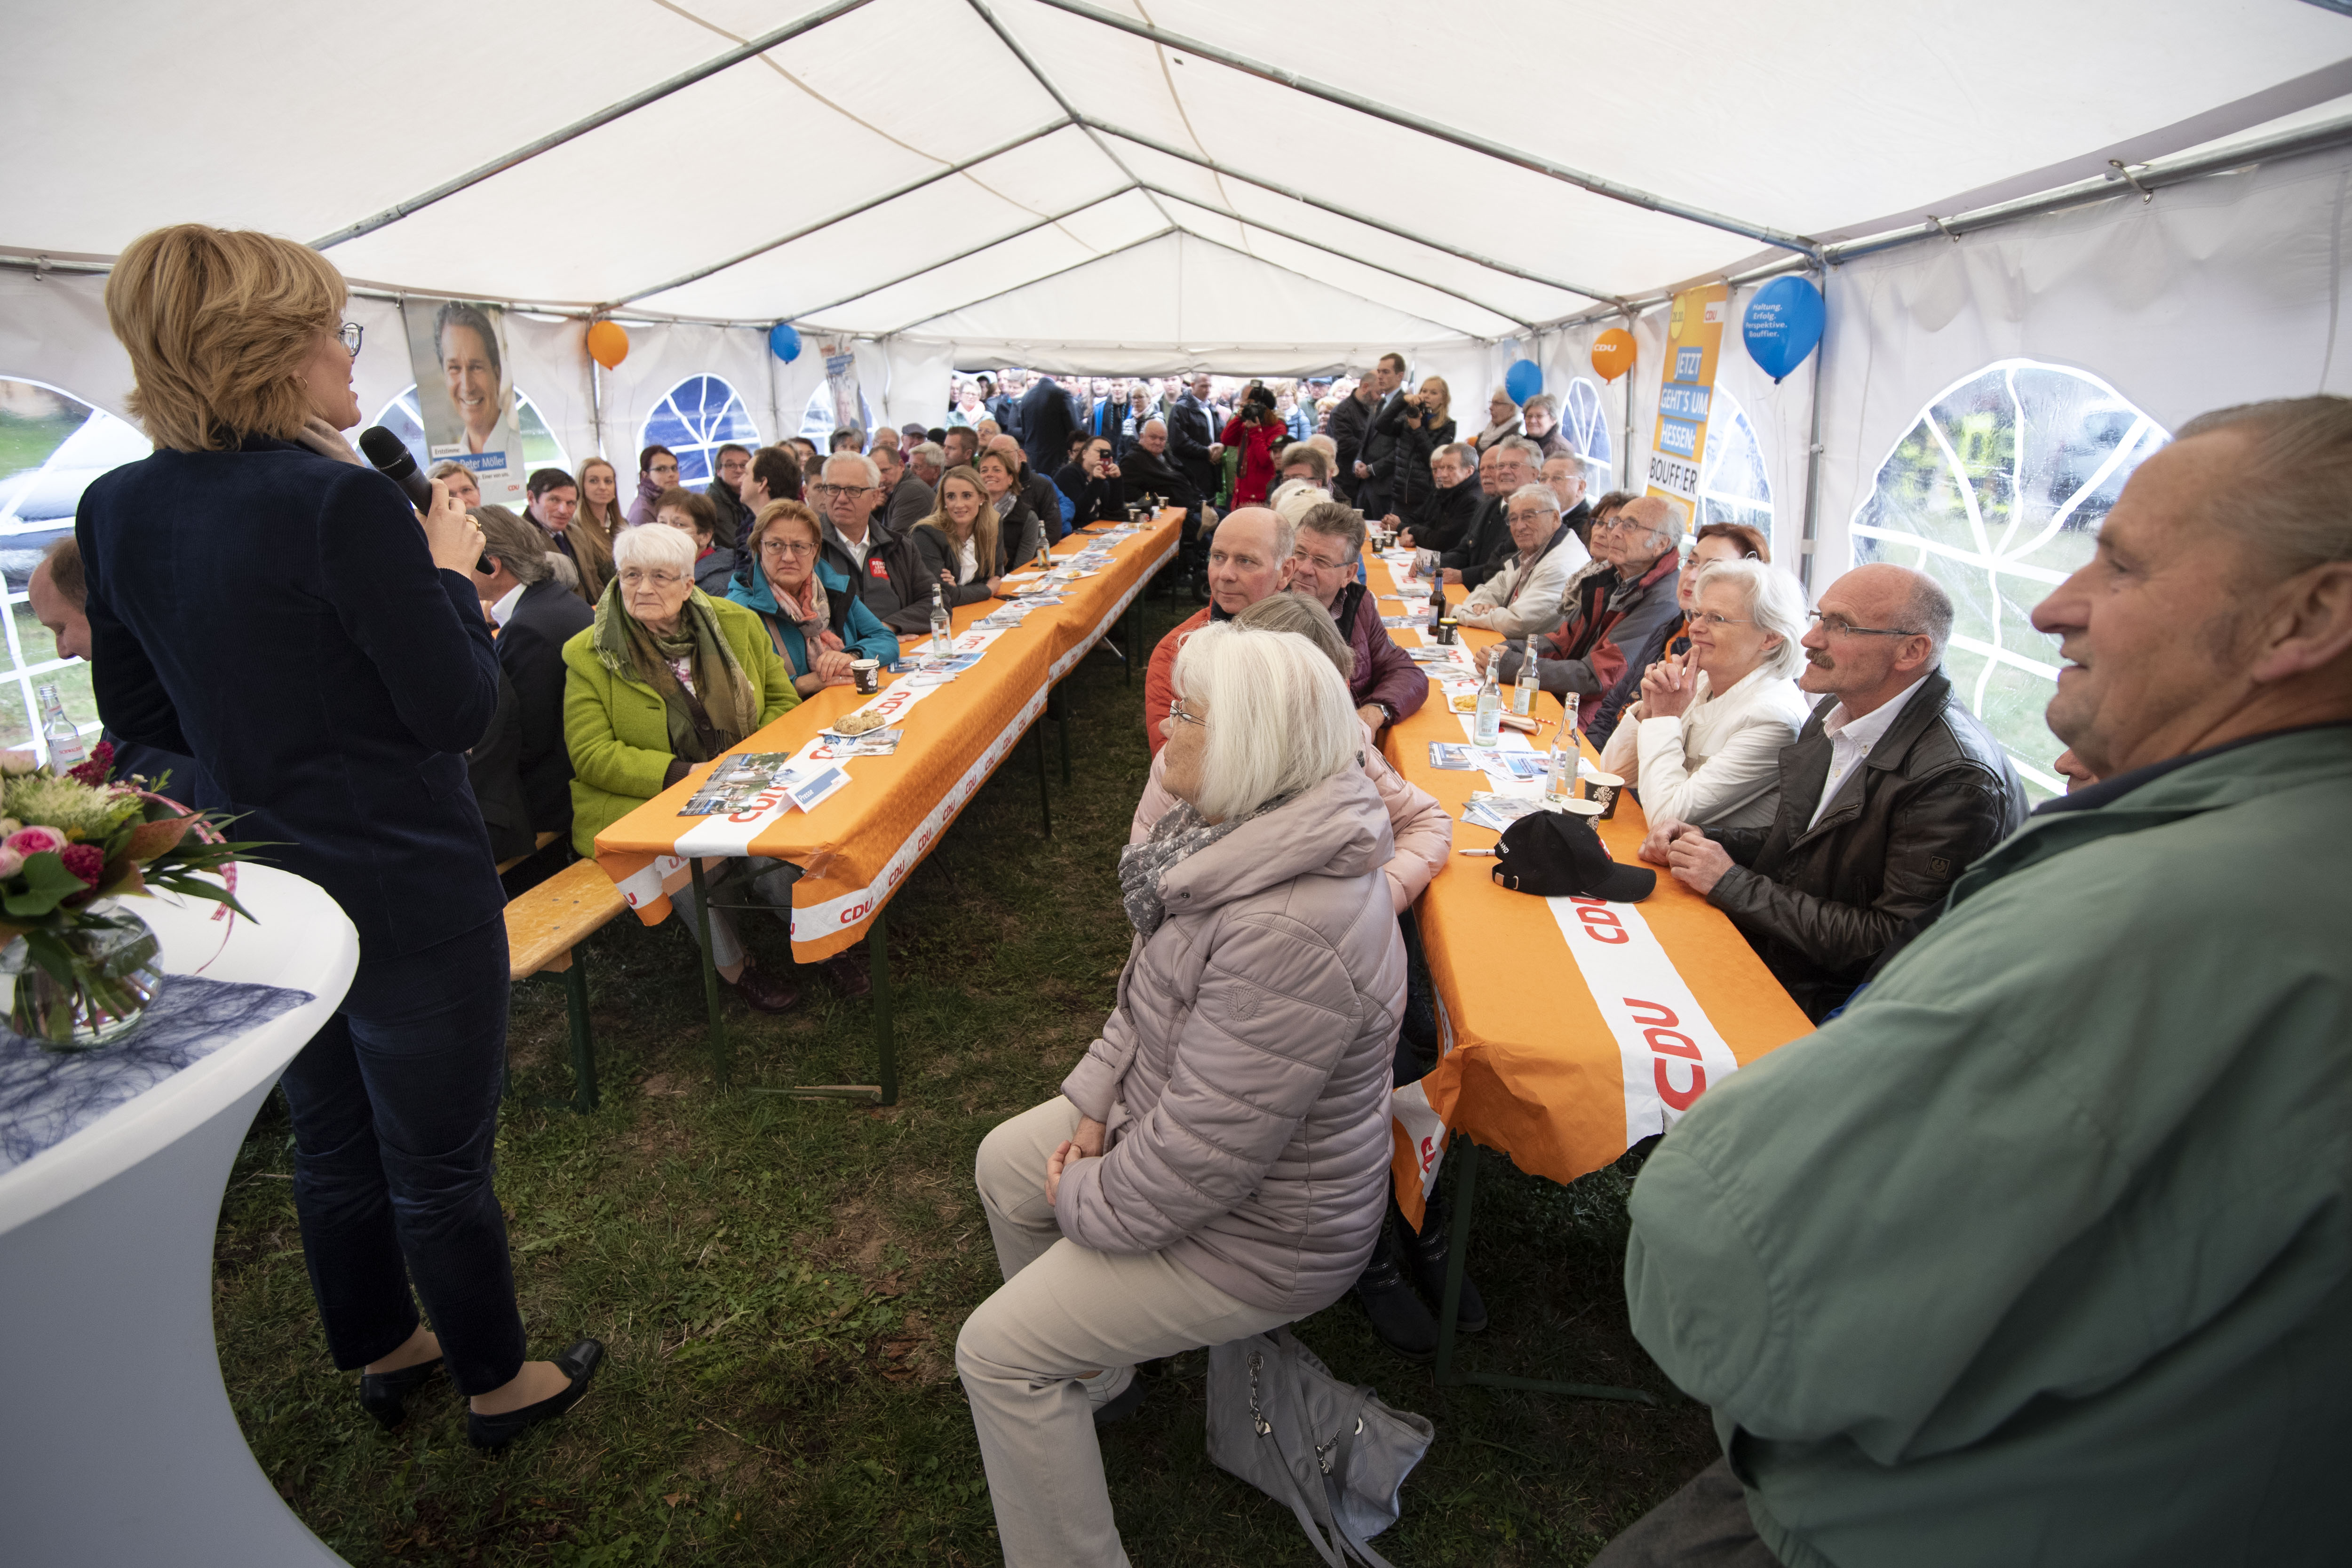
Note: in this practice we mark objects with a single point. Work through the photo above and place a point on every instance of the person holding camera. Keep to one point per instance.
(1254, 431)
(1415, 425)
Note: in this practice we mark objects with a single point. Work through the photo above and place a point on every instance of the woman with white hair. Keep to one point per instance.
(1703, 745)
(1217, 1164)
(663, 677)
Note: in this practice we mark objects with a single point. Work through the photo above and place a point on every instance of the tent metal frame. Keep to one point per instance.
(887, 197)
(1288, 193)
(1232, 216)
(814, 312)
(1629, 195)
(1173, 227)
(605, 116)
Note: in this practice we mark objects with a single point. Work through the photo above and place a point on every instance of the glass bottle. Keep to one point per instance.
(1560, 770)
(1523, 694)
(939, 639)
(1488, 729)
(64, 739)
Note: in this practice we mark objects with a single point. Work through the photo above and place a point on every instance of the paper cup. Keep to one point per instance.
(1603, 790)
(866, 674)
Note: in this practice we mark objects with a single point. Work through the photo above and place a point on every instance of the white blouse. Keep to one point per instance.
(1717, 765)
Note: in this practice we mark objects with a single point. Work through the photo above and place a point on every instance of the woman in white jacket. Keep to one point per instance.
(1524, 598)
(1703, 745)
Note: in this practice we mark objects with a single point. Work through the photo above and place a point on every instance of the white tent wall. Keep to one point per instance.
(53, 330)
(2225, 289)
(921, 375)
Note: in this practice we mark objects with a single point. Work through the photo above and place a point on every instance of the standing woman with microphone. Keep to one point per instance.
(261, 600)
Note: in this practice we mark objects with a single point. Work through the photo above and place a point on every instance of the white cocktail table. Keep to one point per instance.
(117, 1443)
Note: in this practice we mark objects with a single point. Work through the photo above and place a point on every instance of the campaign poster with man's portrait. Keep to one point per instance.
(465, 397)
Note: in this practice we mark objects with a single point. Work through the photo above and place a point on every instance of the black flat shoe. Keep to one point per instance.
(580, 1363)
(1398, 1316)
(384, 1395)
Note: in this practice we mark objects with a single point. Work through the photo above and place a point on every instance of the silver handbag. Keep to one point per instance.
(1280, 1421)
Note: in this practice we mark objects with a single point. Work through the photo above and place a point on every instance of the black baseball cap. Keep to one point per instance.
(1555, 854)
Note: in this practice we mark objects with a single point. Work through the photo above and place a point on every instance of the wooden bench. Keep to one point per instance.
(544, 926)
(543, 840)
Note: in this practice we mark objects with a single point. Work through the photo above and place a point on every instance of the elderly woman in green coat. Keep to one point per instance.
(664, 677)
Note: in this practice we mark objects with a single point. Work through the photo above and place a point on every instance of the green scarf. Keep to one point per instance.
(627, 647)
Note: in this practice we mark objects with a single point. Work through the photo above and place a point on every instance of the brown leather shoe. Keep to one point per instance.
(764, 992)
(848, 975)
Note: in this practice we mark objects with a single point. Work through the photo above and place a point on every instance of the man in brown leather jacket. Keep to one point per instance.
(1889, 792)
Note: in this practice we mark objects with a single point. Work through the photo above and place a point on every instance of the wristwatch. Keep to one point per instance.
(1388, 714)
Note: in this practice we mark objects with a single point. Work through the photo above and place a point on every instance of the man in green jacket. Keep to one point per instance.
(2041, 1254)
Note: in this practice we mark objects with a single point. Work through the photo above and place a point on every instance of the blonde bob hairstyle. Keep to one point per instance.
(216, 322)
(1279, 719)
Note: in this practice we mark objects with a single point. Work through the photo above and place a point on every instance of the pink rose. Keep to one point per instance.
(35, 840)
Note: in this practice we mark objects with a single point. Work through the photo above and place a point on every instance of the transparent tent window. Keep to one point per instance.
(52, 444)
(694, 419)
(1997, 490)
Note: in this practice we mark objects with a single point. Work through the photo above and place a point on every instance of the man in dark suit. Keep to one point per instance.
(1046, 424)
(1192, 438)
(536, 617)
(58, 596)
(1371, 494)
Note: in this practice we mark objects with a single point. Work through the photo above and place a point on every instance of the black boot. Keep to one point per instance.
(1425, 1259)
(1398, 1317)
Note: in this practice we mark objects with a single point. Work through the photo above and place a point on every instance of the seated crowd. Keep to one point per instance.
(2132, 1262)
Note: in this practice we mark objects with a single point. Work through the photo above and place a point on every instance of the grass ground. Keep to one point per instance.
(780, 1282)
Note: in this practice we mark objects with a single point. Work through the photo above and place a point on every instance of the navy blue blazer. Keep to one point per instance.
(276, 615)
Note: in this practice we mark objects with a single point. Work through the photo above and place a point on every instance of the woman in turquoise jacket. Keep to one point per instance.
(816, 623)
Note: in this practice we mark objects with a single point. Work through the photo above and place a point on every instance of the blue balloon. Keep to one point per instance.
(1783, 323)
(1523, 380)
(785, 342)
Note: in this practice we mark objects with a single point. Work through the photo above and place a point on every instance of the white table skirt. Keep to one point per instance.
(117, 1442)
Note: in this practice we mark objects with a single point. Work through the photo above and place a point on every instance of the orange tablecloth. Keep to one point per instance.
(1563, 1056)
(858, 844)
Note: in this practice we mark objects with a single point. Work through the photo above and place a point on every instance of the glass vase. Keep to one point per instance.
(87, 986)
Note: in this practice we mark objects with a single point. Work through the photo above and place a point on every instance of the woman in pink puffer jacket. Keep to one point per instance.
(1217, 1164)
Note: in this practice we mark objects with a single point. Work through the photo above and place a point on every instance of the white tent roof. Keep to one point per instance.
(913, 166)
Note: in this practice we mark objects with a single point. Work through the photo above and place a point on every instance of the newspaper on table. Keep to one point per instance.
(753, 780)
(1497, 812)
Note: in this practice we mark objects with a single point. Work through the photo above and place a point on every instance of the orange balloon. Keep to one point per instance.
(1612, 352)
(608, 343)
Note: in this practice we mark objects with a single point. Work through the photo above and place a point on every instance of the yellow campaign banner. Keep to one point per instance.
(1686, 389)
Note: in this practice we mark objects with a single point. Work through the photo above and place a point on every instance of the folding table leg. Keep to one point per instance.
(718, 1052)
(583, 1043)
(877, 951)
(1059, 706)
(1457, 1253)
(1045, 800)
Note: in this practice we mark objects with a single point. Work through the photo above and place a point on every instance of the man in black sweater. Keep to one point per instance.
(536, 617)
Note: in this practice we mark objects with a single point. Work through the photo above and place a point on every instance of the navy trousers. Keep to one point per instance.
(395, 1105)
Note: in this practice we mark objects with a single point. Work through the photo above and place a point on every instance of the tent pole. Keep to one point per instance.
(605, 116)
(1814, 455)
(1432, 129)
(892, 194)
(1288, 194)
(595, 402)
(1237, 250)
(1627, 471)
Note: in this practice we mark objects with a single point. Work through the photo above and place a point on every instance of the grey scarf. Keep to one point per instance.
(1143, 867)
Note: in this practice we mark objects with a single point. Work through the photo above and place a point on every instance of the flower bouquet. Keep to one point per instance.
(72, 844)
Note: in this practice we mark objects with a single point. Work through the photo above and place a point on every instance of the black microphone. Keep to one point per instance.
(394, 460)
